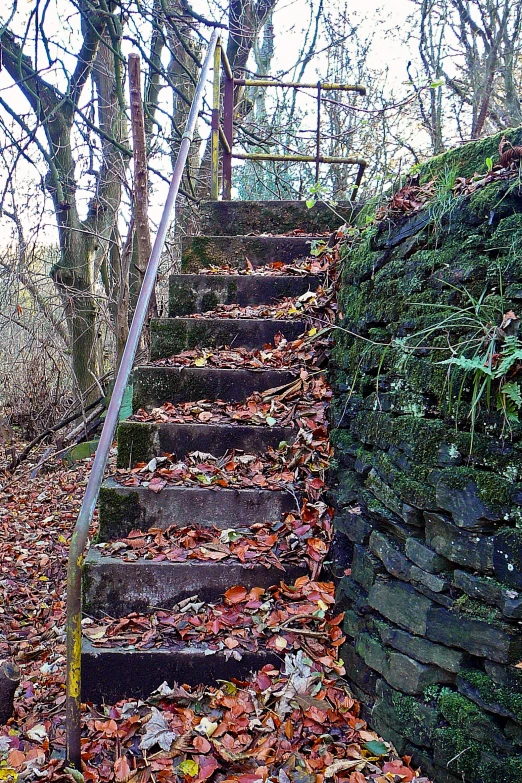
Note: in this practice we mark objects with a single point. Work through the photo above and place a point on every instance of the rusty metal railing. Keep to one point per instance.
(222, 134)
(81, 530)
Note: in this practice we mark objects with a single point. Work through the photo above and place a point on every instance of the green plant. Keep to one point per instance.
(489, 164)
(488, 356)
(444, 201)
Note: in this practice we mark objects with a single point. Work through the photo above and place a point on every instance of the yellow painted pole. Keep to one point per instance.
(216, 122)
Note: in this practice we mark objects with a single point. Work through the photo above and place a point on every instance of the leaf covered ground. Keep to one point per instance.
(296, 722)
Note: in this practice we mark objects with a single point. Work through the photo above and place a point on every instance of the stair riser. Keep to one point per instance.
(110, 675)
(170, 336)
(231, 218)
(122, 509)
(139, 442)
(199, 293)
(114, 587)
(201, 252)
(155, 385)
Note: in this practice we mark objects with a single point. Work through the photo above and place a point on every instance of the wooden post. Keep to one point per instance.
(216, 122)
(9, 679)
(141, 196)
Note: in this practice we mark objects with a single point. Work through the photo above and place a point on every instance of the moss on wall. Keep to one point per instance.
(431, 462)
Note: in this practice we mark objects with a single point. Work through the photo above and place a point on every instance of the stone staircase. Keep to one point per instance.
(114, 587)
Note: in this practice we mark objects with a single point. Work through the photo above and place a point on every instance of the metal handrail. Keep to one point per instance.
(81, 530)
(224, 134)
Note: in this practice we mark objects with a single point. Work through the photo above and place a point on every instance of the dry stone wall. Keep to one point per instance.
(427, 483)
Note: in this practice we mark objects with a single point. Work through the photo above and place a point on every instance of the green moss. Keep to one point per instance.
(492, 693)
(484, 200)
(209, 301)
(466, 716)
(200, 253)
(118, 513)
(468, 159)
(457, 751)
(135, 442)
(182, 299)
(479, 610)
(507, 769)
(414, 717)
(232, 288)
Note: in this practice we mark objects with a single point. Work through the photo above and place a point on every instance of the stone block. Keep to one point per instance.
(459, 546)
(402, 604)
(390, 555)
(416, 719)
(346, 490)
(509, 602)
(350, 595)
(398, 670)
(479, 637)
(356, 669)
(372, 652)
(421, 649)
(353, 624)
(365, 567)
(387, 729)
(513, 732)
(491, 697)
(507, 557)
(462, 498)
(411, 676)
(509, 676)
(424, 557)
(354, 525)
(432, 582)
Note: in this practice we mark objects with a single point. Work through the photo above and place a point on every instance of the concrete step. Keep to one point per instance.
(122, 509)
(231, 218)
(169, 336)
(155, 385)
(140, 441)
(115, 587)
(110, 674)
(198, 293)
(201, 252)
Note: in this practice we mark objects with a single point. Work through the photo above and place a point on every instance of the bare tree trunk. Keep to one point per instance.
(141, 195)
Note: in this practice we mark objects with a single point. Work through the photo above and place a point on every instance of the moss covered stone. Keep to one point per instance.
(137, 442)
(489, 695)
(468, 159)
(118, 513)
(464, 714)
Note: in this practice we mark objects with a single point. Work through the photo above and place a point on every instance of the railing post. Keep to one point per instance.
(318, 135)
(216, 94)
(228, 129)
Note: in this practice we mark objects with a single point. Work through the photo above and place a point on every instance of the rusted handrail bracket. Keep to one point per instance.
(81, 530)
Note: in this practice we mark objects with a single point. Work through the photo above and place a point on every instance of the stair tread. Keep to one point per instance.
(197, 293)
(123, 509)
(141, 441)
(173, 335)
(110, 674)
(156, 385)
(228, 251)
(244, 217)
(115, 586)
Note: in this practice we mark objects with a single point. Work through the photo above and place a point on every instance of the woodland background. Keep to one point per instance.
(70, 265)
